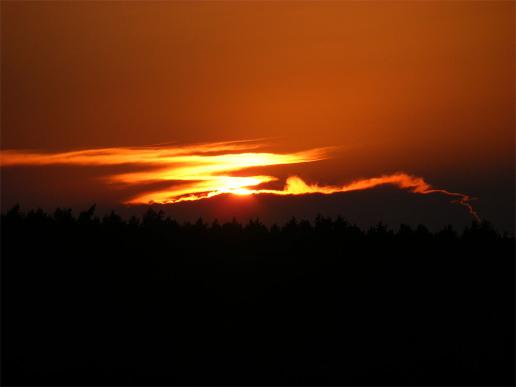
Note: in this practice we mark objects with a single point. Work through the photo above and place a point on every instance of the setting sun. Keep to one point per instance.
(201, 172)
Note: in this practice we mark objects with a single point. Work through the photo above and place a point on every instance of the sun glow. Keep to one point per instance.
(206, 170)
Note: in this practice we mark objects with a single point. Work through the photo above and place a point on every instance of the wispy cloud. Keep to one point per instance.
(202, 171)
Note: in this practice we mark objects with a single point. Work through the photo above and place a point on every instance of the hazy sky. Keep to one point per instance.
(423, 87)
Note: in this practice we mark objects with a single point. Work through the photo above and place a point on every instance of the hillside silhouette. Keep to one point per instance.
(91, 300)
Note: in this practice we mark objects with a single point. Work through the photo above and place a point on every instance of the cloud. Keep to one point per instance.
(202, 171)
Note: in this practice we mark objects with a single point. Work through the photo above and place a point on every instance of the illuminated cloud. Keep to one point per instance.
(205, 170)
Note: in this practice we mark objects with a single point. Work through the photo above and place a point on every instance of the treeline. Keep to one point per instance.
(157, 221)
(90, 300)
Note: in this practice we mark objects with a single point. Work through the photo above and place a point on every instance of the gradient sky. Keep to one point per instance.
(422, 87)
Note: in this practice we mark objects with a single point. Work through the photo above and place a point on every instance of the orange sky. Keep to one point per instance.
(424, 87)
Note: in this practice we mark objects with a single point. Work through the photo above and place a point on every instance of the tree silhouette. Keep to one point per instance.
(151, 301)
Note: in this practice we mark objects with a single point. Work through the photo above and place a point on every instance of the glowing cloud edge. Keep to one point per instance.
(204, 171)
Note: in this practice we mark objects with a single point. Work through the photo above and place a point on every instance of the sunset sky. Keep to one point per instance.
(424, 88)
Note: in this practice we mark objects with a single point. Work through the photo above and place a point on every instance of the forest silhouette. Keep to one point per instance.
(91, 300)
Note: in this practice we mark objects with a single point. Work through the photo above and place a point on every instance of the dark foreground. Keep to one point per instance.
(102, 302)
